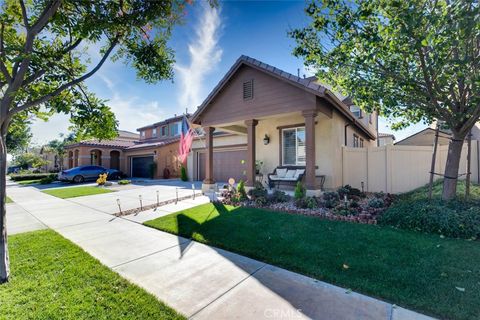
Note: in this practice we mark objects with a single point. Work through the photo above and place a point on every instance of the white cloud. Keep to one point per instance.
(204, 54)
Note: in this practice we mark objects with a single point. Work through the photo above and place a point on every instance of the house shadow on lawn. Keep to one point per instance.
(287, 294)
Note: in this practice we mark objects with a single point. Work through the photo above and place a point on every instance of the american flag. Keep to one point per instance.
(186, 138)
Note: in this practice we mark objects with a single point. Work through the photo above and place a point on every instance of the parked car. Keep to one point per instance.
(88, 173)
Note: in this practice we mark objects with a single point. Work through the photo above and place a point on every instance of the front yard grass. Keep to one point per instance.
(430, 274)
(73, 192)
(52, 278)
(27, 182)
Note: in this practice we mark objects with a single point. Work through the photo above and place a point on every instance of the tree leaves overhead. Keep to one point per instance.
(71, 45)
(412, 60)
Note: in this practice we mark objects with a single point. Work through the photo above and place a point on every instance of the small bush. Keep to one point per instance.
(31, 176)
(299, 191)
(349, 191)
(242, 194)
(330, 199)
(123, 182)
(102, 179)
(258, 191)
(183, 174)
(49, 179)
(306, 203)
(456, 219)
(279, 196)
(376, 203)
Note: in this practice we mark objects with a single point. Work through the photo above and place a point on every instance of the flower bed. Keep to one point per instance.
(345, 204)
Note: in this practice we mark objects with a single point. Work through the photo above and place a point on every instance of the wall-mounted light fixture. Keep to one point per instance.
(266, 139)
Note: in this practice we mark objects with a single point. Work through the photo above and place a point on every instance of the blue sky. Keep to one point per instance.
(206, 45)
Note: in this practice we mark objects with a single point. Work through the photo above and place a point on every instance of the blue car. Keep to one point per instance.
(88, 173)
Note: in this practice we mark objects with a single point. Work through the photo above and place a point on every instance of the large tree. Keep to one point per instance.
(44, 61)
(415, 60)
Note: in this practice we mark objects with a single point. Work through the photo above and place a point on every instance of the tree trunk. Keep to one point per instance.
(4, 262)
(451, 168)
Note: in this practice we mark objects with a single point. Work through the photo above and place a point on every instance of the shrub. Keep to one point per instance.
(123, 182)
(457, 219)
(49, 179)
(183, 174)
(242, 194)
(349, 191)
(376, 203)
(31, 176)
(330, 199)
(306, 203)
(299, 191)
(279, 196)
(258, 191)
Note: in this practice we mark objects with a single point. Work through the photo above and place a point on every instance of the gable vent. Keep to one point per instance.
(248, 90)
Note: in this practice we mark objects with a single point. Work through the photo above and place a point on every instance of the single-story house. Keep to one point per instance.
(261, 117)
(148, 154)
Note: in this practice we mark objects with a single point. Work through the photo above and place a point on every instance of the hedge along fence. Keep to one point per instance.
(396, 169)
(32, 176)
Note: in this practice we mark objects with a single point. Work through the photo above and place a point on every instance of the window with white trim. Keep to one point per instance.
(293, 146)
(164, 131)
(361, 143)
(154, 132)
(355, 141)
(142, 134)
(356, 111)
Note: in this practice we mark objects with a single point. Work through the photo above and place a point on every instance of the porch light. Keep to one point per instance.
(266, 140)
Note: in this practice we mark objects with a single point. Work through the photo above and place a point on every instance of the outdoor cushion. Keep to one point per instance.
(290, 174)
(281, 173)
(274, 177)
(298, 172)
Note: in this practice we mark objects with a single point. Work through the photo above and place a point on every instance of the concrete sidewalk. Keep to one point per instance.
(200, 281)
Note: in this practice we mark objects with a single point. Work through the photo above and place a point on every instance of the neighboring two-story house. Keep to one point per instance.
(148, 154)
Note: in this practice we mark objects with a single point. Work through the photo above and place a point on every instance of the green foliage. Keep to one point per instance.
(306, 203)
(412, 60)
(259, 194)
(19, 133)
(279, 196)
(55, 279)
(29, 160)
(376, 203)
(124, 182)
(349, 191)
(300, 191)
(183, 174)
(49, 179)
(30, 176)
(241, 193)
(457, 219)
(414, 270)
(330, 199)
(73, 192)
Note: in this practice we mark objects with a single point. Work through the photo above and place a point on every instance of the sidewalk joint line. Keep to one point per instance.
(227, 291)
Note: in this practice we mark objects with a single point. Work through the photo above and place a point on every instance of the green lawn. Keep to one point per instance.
(27, 182)
(73, 192)
(422, 192)
(410, 269)
(8, 200)
(51, 278)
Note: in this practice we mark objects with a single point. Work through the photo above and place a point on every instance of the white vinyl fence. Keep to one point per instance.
(398, 169)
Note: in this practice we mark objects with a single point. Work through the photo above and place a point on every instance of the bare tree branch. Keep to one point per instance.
(24, 14)
(65, 86)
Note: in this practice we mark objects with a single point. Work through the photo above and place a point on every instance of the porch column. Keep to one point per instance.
(209, 182)
(251, 124)
(310, 180)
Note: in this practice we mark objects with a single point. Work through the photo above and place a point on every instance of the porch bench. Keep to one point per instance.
(286, 175)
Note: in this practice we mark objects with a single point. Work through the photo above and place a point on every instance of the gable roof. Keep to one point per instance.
(308, 84)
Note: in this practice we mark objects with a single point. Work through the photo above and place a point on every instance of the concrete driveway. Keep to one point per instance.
(200, 281)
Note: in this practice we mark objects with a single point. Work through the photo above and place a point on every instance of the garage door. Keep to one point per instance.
(141, 166)
(226, 165)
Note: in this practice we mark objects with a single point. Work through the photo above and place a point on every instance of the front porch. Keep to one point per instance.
(274, 141)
